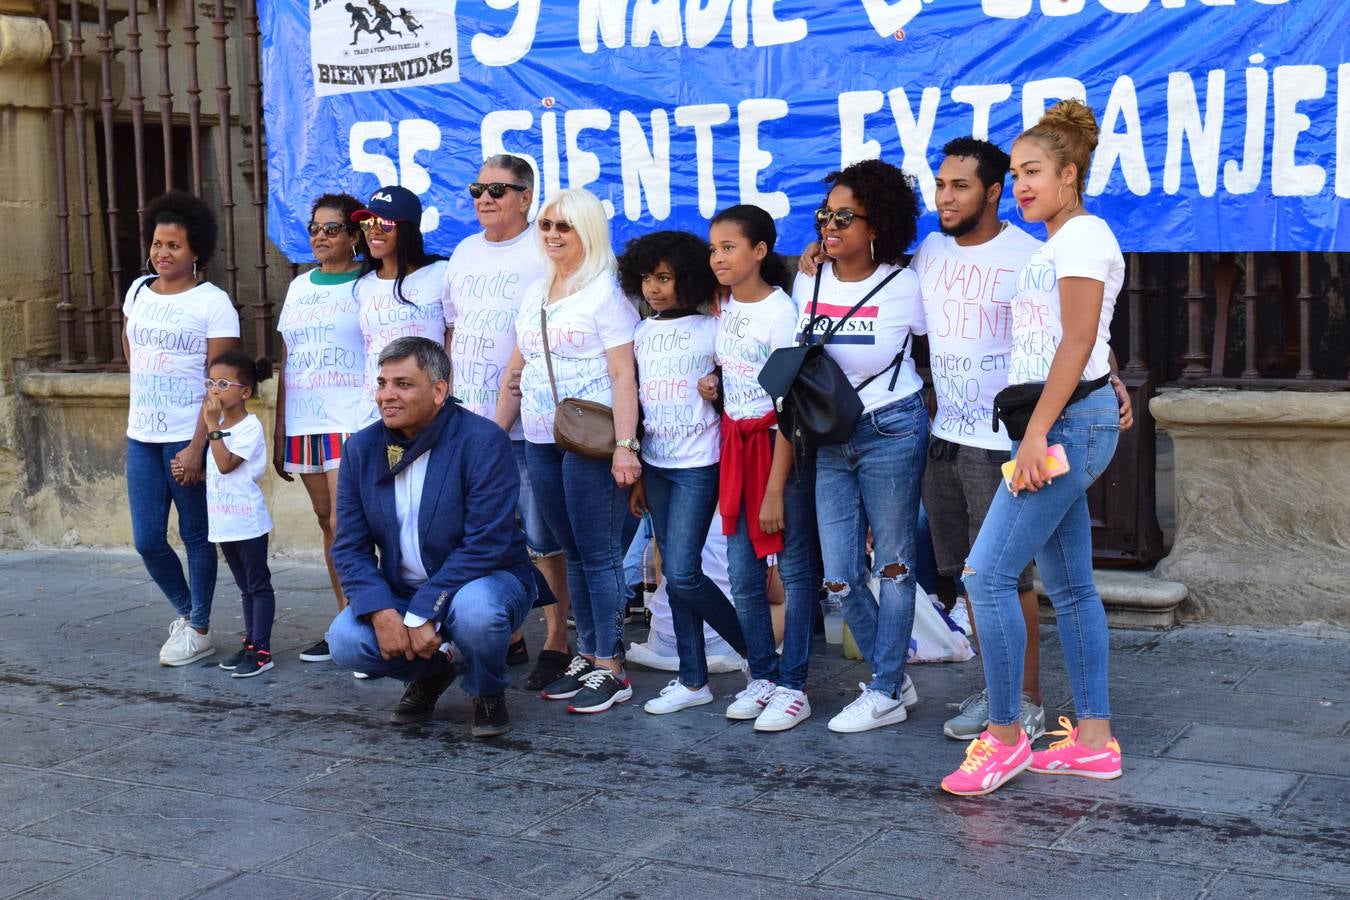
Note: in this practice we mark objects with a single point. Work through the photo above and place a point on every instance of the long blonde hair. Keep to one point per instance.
(583, 210)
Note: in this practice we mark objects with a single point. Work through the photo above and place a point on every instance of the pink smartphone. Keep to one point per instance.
(1056, 464)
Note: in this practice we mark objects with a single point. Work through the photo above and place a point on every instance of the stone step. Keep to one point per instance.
(1133, 599)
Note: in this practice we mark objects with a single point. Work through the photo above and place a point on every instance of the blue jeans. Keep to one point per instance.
(682, 503)
(1052, 525)
(482, 616)
(873, 479)
(587, 512)
(150, 490)
(538, 538)
(799, 569)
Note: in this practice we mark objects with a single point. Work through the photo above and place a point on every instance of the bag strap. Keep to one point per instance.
(893, 365)
(839, 323)
(548, 357)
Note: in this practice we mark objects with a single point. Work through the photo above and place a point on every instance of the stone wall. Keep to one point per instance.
(1263, 504)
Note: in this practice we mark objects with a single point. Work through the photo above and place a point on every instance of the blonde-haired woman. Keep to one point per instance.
(1061, 316)
(580, 310)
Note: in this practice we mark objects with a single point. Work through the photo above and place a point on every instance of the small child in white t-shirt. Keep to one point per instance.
(236, 511)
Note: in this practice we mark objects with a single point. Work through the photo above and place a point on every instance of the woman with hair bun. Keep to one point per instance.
(1061, 313)
(322, 361)
(173, 323)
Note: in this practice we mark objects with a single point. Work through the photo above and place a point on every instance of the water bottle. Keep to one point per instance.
(833, 612)
(651, 565)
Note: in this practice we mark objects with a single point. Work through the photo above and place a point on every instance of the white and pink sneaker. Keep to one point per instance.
(1068, 757)
(786, 709)
(989, 765)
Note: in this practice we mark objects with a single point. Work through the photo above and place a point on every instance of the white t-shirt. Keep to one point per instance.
(167, 335)
(484, 281)
(582, 327)
(1084, 247)
(325, 355)
(967, 299)
(680, 430)
(868, 341)
(385, 318)
(235, 509)
(747, 334)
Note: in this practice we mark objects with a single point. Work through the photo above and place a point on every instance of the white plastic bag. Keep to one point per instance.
(936, 638)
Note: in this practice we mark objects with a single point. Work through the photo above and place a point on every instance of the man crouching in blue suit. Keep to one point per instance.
(427, 547)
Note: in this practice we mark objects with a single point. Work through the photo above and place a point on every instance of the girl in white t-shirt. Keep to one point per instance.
(681, 443)
(867, 311)
(399, 291)
(1061, 313)
(767, 498)
(322, 362)
(576, 321)
(174, 323)
(236, 510)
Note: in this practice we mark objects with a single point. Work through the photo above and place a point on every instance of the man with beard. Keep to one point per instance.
(968, 275)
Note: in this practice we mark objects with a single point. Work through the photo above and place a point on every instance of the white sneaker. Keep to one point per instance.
(175, 629)
(750, 702)
(646, 656)
(360, 676)
(908, 695)
(186, 648)
(872, 709)
(675, 697)
(786, 708)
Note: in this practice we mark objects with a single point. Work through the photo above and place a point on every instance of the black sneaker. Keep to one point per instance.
(568, 684)
(234, 659)
(600, 689)
(490, 717)
(548, 668)
(517, 653)
(317, 653)
(419, 700)
(255, 662)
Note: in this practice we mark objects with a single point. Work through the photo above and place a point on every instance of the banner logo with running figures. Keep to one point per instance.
(369, 45)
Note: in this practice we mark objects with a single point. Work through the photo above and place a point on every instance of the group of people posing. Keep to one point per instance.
(433, 386)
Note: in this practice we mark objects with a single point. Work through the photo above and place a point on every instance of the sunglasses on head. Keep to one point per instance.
(222, 384)
(842, 217)
(332, 229)
(547, 225)
(495, 189)
(386, 225)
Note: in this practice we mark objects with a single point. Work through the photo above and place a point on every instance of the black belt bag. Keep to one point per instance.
(1014, 404)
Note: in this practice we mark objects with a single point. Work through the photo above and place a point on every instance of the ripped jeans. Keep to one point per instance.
(874, 479)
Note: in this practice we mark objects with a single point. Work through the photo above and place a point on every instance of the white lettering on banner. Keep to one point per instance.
(1126, 147)
(1343, 131)
(1292, 85)
(1186, 123)
(414, 136)
(751, 20)
(512, 46)
(981, 99)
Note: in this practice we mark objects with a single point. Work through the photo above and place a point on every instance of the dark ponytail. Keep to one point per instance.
(250, 371)
(757, 225)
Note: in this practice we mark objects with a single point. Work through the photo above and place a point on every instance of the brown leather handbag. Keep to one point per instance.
(579, 426)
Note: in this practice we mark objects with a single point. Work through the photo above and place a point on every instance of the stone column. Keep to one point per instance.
(1263, 504)
(28, 279)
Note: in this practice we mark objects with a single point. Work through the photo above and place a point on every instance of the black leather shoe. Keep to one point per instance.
(419, 700)
(547, 669)
(490, 717)
(517, 653)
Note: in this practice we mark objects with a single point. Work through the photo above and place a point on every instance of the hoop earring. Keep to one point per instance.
(1059, 195)
(1020, 214)
(872, 248)
(149, 267)
(353, 253)
(194, 269)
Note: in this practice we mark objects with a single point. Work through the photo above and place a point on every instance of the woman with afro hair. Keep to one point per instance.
(872, 480)
(174, 321)
(681, 443)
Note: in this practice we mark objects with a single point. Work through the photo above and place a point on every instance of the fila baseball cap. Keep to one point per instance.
(397, 204)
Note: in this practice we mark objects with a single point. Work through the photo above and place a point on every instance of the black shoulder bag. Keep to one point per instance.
(1014, 404)
(814, 399)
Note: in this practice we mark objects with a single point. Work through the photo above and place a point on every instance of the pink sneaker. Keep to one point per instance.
(1066, 757)
(989, 765)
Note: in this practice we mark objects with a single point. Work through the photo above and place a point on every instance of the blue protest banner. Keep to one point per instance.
(1225, 123)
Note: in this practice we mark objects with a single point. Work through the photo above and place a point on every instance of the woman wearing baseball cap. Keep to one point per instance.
(399, 291)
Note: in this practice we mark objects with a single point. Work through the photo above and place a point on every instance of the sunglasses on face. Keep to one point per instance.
(386, 225)
(842, 217)
(222, 384)
(547, 225)
(495, 189)
(331, 229)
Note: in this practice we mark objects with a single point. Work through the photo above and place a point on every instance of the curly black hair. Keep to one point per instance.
(687, 256)
(188, 212)
(345, 204)
(248, 371)
(991, 163)
(892, 205)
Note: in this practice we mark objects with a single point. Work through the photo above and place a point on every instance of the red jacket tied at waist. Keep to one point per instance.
(747, 457)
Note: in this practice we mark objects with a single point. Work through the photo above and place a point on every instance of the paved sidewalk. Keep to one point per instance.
(122, 779)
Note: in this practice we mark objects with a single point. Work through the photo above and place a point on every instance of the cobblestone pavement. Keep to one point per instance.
(122, 779)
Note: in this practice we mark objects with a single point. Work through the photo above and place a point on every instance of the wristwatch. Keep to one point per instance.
(216, 435)
(629, 444)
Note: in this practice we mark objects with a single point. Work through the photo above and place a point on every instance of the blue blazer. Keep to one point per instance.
(466, 523)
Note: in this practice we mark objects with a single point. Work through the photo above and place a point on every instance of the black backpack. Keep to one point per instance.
(815, 402)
